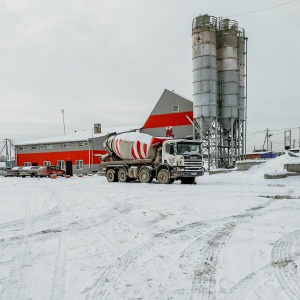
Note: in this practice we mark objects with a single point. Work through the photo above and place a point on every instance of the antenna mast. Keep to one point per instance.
(63, 113)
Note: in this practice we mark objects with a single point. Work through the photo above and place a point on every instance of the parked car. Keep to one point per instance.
(29, 171)
(3, 171)
(13, 172)
(49, 170)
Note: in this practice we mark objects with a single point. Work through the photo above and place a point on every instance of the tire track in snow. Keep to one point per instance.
(112, 272)
(19, 280)
(282, 267)
(19, 283)
(87, 216)
(59, 276)
(203, 281)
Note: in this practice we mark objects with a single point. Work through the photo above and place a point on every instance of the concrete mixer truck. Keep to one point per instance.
(132, 155)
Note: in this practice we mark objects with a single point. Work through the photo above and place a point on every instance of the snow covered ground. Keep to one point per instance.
(230, 236)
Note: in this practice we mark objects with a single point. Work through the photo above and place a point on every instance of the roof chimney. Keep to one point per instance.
(97, 128)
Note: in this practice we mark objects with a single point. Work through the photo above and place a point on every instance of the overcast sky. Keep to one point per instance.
(108, 62)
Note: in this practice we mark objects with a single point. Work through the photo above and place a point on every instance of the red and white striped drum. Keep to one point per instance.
(134, 145)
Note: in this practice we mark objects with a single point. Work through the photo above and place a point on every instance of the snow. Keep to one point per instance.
(81, 135)
(230, 236)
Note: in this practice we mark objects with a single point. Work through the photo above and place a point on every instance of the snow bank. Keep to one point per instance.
(273, 165)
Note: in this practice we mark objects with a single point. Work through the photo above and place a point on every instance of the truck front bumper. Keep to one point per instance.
(176, 173)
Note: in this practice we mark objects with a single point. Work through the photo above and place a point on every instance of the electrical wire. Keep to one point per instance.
(270, 130)
(253, 135)
(267, 8)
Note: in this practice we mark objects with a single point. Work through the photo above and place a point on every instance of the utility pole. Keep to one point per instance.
(267, 139)
(8, 144)
(63, 113)
(287, 139)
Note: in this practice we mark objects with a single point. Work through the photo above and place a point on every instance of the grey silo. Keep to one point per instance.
(228, 73)
(219, 91)
(205, 106)
(242, 51)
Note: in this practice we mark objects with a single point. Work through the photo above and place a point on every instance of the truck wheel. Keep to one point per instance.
(145, 176)
(123, 175)
(163, 176)
(188, 180)
(111, 175)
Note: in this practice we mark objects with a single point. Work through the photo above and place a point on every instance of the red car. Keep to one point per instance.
(47, 171)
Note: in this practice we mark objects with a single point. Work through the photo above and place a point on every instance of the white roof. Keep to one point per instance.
(27, 168)
(82, 135)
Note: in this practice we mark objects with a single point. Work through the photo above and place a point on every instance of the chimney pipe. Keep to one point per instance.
(97, 128)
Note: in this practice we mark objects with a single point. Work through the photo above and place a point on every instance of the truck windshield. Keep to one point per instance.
(188, 148)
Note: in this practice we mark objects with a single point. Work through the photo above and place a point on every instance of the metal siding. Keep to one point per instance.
(172, 119)
(166, 102)
(53, 157)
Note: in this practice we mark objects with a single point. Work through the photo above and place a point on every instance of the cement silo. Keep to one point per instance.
(228, 73)
(242, 51)
(205, 106)
(219, 88)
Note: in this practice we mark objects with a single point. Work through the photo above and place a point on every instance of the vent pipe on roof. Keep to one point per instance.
(97, 128)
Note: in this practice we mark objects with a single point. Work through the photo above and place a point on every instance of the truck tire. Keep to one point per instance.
(111, 176)
(188, 180)
(145, 176)
(123, 175)
(163, 177)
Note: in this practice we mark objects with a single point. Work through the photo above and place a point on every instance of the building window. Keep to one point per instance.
(49, 147)
(22, 148)
(82, 144)
(33, 147)
(41, 147)
(61, 164)
(65, 145)
(27, 164)
(46, 163)
(175, 108)
(79, 164)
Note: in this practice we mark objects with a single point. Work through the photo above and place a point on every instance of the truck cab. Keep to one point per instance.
(183, 158)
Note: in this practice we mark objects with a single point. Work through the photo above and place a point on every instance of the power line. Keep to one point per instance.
(267, 8)
(281, 131)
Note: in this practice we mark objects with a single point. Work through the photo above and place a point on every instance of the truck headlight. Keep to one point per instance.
(171, 160)
(180, 161)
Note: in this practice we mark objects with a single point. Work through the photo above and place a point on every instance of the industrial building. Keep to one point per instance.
(80, 152)
(217, 115)
(76, 153)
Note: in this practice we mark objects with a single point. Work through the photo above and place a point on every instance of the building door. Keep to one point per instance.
(34, 164)
(69, 169)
